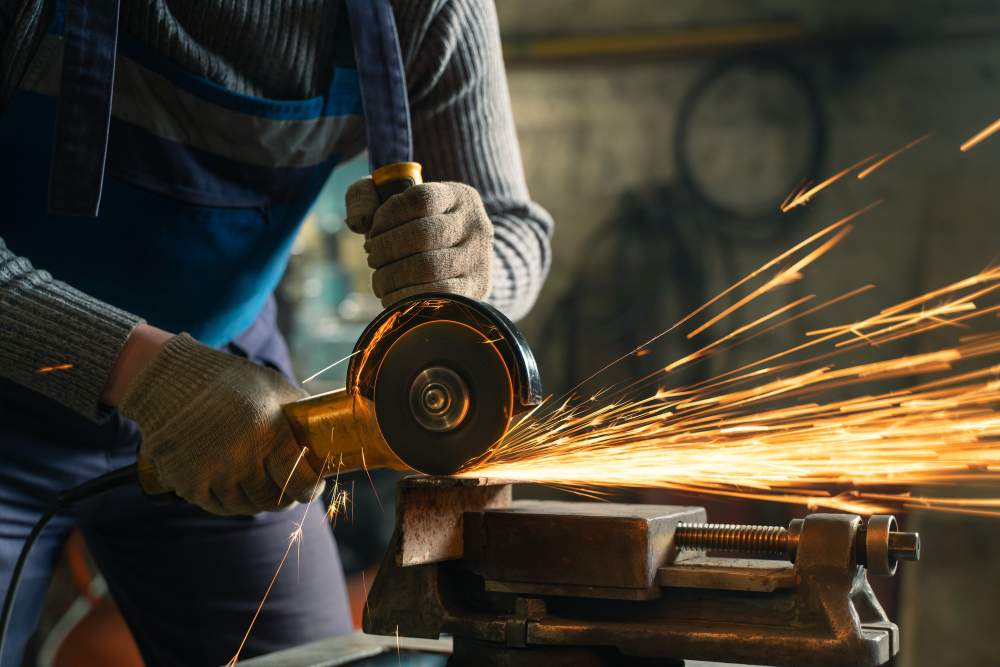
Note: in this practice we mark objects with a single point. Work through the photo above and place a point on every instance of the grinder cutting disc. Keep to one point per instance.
(443, 396)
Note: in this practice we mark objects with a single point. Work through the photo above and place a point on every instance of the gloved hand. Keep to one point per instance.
(212, 424)
(434, 237)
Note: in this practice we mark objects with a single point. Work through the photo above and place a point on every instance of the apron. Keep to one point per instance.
(198, 191)
(176, 199)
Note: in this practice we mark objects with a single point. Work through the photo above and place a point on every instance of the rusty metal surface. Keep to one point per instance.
(601, 592)
(430, 511)
(583, 548)
(734, 574)
(819, 612)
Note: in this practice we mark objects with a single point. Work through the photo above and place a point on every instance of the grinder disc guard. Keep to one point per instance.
(444, 375)
(443, 396)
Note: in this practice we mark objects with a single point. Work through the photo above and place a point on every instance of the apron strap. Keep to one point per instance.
(383, 85)
(80, 141)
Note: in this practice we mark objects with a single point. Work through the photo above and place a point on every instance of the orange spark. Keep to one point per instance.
(805, 196)
(979, 137)
(892, 155)
(799, 189)
(236, 657)
(47, 369)
(339, 361)
(394, 320)
(777, 280)
(295, 538)
(338, 503)
(290, 473)
(769, 316)
(818, 235)
(338, 498)
(370, 480)
(364, 585)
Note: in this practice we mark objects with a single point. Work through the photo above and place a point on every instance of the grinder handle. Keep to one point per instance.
(330, 426)
(394, 178)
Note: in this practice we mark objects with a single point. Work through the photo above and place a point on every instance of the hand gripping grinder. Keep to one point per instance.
(434, 382)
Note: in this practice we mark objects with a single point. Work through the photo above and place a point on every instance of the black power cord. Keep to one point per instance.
(112, 481)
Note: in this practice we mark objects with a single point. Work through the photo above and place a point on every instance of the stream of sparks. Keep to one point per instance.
(764, 430)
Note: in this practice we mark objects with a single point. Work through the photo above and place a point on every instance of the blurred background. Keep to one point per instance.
(662, 137)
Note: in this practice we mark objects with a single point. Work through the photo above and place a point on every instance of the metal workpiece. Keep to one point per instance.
(430, 513)
(554, 583)
(878, 546)
(576, 549)
(885, 546)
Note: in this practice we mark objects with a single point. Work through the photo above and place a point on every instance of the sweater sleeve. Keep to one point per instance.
(45, 324)
(463, 130)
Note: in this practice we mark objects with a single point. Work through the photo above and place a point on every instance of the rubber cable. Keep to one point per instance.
(112, 481)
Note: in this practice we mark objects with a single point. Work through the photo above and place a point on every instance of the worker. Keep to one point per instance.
(156, 160)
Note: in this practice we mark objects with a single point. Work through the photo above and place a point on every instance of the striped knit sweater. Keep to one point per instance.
(462, 131)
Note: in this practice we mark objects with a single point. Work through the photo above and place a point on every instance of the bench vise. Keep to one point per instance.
(531, 583)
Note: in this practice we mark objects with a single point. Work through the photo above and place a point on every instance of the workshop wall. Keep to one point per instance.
(597, 133)
(591, 131)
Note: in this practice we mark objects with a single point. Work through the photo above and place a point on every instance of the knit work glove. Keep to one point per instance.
(434, 237)
(212, 423)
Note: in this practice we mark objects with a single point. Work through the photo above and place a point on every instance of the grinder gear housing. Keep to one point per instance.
(433, 383)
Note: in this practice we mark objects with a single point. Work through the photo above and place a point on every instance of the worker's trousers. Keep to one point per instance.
(187, 582)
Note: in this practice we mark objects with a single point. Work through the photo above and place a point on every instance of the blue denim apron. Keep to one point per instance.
(198, 192)
(204, 188)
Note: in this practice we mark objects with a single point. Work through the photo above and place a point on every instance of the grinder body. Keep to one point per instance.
(434, 382)
(338, 431)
